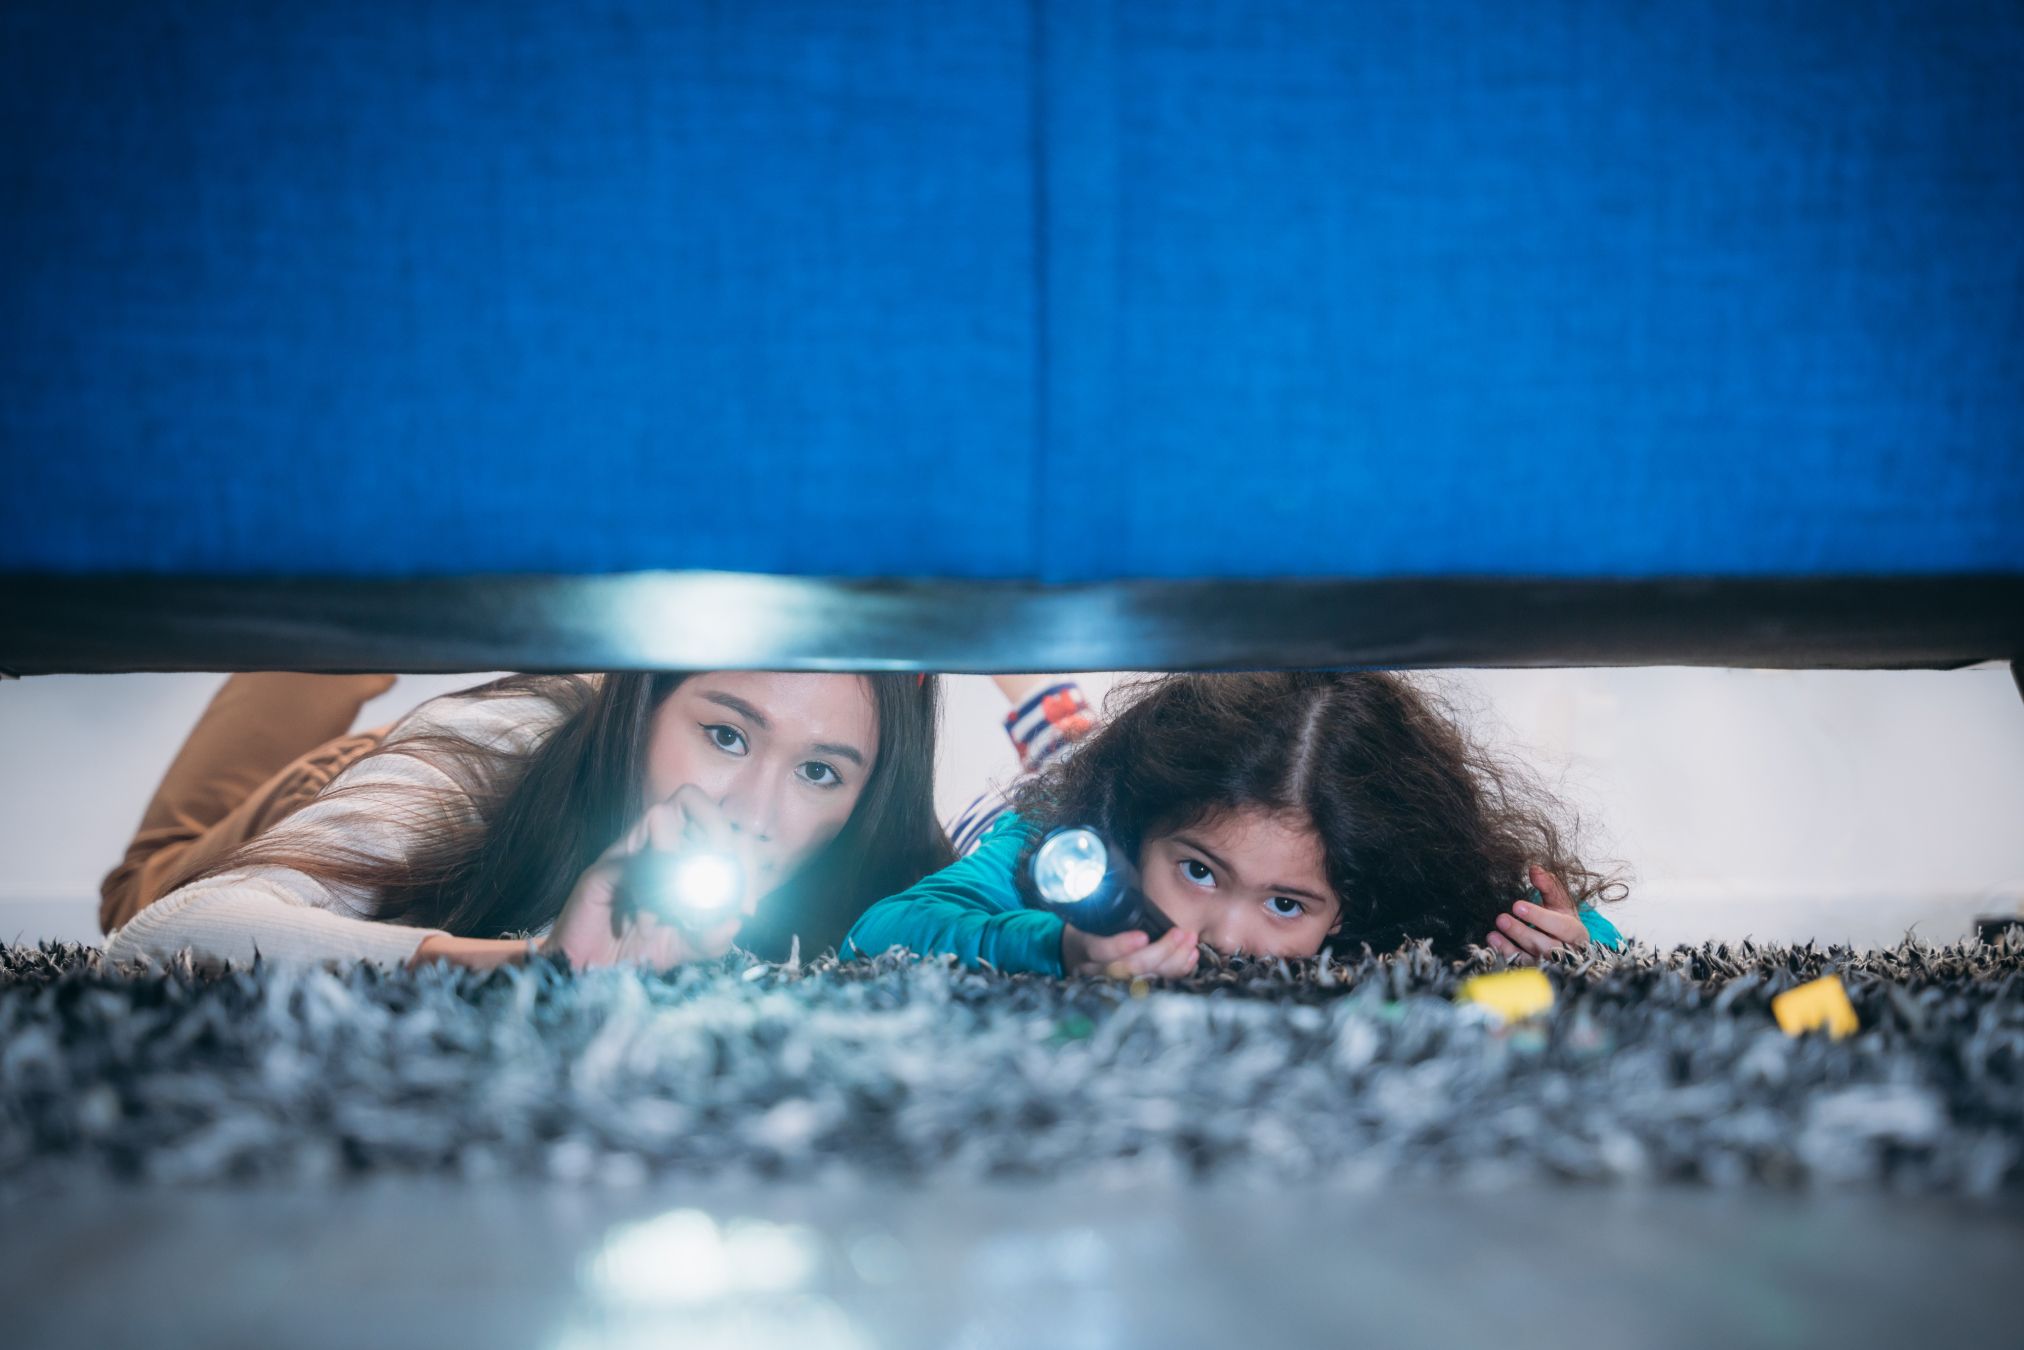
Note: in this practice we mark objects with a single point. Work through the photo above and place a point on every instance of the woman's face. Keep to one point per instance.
(784, 756)
(1247, 881)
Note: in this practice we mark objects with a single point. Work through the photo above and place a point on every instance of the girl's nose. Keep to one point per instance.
(1225, 934)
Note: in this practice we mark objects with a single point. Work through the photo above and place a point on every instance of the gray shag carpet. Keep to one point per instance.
(1651, 1067)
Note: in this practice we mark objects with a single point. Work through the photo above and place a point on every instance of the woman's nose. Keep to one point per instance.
(750, 805)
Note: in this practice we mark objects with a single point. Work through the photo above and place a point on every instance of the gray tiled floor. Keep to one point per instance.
(556, 1268)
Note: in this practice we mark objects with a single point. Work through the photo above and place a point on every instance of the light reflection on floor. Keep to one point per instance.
(557, 1268)
(745, 1282)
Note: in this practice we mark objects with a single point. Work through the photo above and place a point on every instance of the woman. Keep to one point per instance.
(510, 809)
(1270, 814)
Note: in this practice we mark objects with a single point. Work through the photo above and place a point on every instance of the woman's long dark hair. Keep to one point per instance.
(1425, 835)
(544, 815)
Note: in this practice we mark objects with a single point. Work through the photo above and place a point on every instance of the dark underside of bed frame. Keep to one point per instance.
(721, 620)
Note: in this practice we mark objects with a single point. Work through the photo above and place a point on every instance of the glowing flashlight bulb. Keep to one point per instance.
(705, 886)
(1070, 866)
(1076, 873)
(696, 890)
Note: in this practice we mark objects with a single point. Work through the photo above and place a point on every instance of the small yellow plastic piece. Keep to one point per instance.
(1817, 1005)
(1513, 995)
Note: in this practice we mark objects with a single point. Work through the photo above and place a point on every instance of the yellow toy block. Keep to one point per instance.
(1817, 1005)
(1513, 995)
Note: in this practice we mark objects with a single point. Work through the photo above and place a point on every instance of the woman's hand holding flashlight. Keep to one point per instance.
(1128, 954)
(600, 925)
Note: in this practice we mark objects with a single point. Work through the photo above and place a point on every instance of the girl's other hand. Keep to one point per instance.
(595, 930)
(1128, 954)
(1529, 932)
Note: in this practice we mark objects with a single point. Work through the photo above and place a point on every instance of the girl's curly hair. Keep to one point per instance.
(1425, 834)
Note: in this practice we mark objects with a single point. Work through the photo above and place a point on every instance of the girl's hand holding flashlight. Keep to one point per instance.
(1128, 954)
(602, 925)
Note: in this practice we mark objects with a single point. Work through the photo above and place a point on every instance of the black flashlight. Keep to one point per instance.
(696, 890)
(1081, 876)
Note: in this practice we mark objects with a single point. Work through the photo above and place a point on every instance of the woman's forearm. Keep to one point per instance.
(474, 953)
(241, 916)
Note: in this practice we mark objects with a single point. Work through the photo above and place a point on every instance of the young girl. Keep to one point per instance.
(1269, 814)
(510, 809)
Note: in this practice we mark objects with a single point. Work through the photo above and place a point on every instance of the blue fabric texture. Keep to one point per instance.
(1071, 290)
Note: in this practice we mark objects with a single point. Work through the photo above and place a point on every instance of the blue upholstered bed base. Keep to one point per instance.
(1067, 291)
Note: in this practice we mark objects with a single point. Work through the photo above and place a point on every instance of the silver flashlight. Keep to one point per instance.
(1081, 876)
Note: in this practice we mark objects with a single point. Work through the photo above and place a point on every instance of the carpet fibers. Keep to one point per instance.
(1651, 1067)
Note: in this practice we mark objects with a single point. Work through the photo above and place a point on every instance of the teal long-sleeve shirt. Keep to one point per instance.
(973, 910)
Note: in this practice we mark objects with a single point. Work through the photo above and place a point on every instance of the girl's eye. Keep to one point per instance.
(1284, 907)
(820, 774)
(1197, 871)
(726, 738)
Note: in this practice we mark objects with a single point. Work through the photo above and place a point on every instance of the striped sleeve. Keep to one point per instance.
(1042, 729)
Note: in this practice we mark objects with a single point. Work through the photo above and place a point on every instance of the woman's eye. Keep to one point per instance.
(1282, 907)
(820, 774)
(726, 738)
(1197, 871)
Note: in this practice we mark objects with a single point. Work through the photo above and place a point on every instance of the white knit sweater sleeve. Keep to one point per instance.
(286, 915)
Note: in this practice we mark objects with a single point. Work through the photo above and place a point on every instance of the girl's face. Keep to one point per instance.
(1247, 881)
(784, 756)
